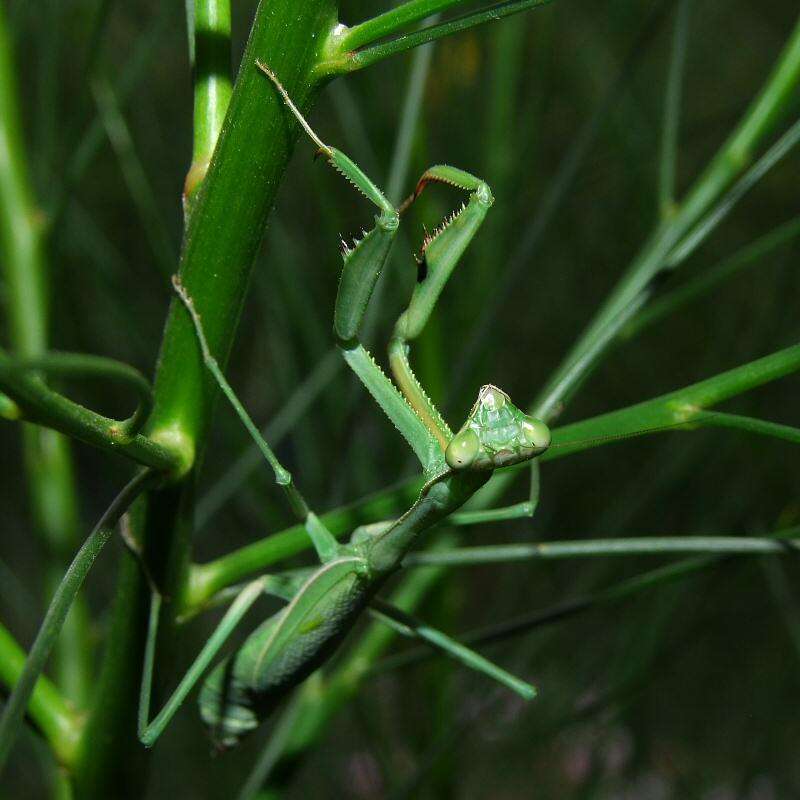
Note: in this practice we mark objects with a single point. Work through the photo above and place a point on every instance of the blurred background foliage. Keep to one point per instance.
(688, 691)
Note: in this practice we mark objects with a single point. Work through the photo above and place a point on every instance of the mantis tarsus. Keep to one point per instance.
(324, 602)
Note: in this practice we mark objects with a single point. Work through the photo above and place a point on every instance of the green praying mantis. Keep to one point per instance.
(323, 603)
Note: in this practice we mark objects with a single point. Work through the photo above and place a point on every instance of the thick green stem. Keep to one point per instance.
(38, 403)
(224, 232)
(48, 462)
(684, 406)
(227, 223)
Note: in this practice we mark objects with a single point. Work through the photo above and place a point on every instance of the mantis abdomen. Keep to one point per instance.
(282, 652)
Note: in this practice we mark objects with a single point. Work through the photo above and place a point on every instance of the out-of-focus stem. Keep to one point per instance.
(210, 32)
(47, 707)
(48, 464)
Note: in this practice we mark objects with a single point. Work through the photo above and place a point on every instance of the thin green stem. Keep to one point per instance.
(759, 427)
(526, 623)
(210, 34)
(684, 406)
(635, 546)
(139, 186)
(42, 405)
(47, 708)
(74, 365)
(11, 720)
(672, 110)
(710, 278)
(345, 60)
(636, 285)
(392, 22)
(704, 228)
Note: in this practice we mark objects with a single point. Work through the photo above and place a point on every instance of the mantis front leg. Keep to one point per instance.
(414, 414)
(439, 255)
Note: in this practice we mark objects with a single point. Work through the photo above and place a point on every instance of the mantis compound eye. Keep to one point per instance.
(463, 449)
(536, 433)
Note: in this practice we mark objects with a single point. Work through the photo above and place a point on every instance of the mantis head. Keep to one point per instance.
(496, 434)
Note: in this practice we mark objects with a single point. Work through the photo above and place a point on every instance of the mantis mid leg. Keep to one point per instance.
(323, 540)
(407, 625)
(527, 508)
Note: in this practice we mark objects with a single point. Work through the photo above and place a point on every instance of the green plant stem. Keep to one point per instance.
(706, 226)
(710, 278)
(205, 580)
(759, 427)
(343, 59)
(42, 405)
(635, 286)
(227, 223)
(11, 720)
(76, 365)
(633, 546)
(394, 21)
(222, 238)
(672, 111)
(210, 34)
(685, 406)
(49, 470)
(526, 623)
(47, 707)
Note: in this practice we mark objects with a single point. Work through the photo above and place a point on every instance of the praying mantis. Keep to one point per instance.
(324, 602)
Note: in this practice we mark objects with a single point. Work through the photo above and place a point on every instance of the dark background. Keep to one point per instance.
(689, 691)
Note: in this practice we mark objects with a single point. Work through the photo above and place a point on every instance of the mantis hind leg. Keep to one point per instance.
(150, 731)
(407, 625)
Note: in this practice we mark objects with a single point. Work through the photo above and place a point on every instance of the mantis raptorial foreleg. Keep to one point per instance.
(364, 260)
(440, 253)
(363, 264)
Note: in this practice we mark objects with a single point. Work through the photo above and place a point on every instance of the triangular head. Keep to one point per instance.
(496, 434)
